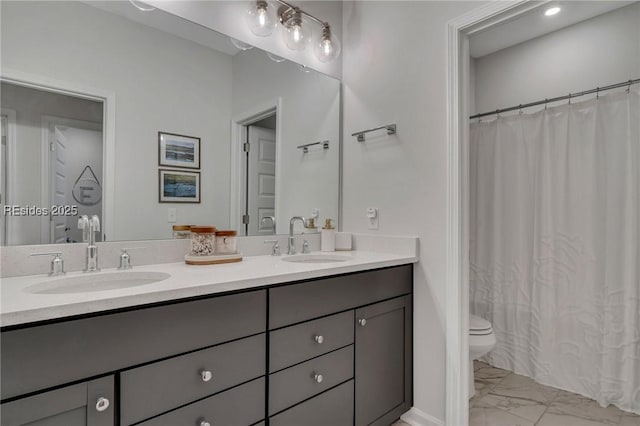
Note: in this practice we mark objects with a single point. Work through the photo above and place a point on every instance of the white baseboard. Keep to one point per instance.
(415, 417)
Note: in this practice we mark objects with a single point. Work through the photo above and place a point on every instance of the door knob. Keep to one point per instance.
(362, 322)
(102, 404)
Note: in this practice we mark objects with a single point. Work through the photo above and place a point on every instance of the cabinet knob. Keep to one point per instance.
(317, 377)
(102, 404)
(206, 375)
(318, 339)
(204, 423)
(362, 322)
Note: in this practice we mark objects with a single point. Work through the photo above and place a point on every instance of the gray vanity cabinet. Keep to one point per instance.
(352, 334)
(85, 404)
(383, 361)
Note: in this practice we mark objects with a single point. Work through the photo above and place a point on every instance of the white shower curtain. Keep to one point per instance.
(555, 244)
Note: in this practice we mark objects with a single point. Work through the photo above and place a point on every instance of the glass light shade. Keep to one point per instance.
(328, 47)
(275, 58)
(261, 18)
(296, 33)
(240, 44)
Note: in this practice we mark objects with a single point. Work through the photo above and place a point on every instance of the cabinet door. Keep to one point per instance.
(383, 361)
(84, 404)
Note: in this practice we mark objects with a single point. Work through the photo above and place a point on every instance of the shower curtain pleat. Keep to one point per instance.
(555, 244)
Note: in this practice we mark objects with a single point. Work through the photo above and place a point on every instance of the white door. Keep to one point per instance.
(59, 194)
(261, 179)
(76, 178)
(3, 180)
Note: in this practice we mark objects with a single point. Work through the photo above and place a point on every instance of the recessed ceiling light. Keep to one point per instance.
(551, 11)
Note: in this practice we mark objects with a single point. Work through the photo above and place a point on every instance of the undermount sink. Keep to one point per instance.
(316, 258)
(96, 282)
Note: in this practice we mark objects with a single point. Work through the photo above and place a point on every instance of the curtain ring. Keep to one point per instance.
(497, 113)
(569, 98)
(629, 88)
(520, 112)
(545, 103)
(597, 93)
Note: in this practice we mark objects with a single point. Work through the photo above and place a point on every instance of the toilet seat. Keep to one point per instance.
(479, 326)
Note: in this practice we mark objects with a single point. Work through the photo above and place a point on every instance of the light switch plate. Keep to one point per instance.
(172, 215)
(372, 217)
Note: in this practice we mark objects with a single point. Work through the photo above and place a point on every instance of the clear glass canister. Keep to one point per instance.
(203, 240)
(226, 242)
(181, 232)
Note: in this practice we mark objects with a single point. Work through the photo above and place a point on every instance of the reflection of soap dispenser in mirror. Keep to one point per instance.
(328, 237)
(311, 226)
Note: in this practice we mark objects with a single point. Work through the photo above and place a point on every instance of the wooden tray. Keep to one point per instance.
(212, 260)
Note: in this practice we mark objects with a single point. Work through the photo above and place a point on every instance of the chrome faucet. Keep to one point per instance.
(292, 243)
(89, 228)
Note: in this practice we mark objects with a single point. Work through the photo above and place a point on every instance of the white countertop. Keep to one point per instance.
(18, 306)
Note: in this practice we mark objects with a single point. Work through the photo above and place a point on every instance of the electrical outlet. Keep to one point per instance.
(372, 218)
(172, 215)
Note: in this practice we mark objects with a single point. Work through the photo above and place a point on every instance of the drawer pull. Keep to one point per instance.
(102, 404)
(362, 322)
(203, 423)
(318, 378)
(206, 375)
(318, 339)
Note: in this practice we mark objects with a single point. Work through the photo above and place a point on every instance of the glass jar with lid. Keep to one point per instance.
(226, 242)
(181, 232)
(203, 240)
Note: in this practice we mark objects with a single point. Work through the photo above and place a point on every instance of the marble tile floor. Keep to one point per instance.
(504, 398)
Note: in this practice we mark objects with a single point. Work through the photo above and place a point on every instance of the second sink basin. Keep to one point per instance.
(316, 258)
(96, 282)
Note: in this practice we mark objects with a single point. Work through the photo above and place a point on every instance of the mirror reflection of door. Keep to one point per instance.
(3, 179)
(261, 178)
(53, 137)
(76, 176)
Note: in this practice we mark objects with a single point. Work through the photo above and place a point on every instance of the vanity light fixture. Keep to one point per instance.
(261, 18)
(142, 6)
(552, 11)
(296, 27)
(328, 48)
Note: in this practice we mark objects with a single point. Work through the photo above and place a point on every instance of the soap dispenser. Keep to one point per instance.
(328, 237)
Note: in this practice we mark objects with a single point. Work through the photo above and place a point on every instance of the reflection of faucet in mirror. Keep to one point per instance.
(273, 223)
(89, 228)
(292, 243)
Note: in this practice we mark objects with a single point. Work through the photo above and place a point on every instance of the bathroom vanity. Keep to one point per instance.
(333, 349)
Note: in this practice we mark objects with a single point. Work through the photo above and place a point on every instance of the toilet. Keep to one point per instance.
(481, 341)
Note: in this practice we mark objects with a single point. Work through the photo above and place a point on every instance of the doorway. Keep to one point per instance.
(75, 175)
(260, 177)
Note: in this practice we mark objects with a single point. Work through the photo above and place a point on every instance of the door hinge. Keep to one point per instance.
(246, 147)
(245, 219)
(52, 146)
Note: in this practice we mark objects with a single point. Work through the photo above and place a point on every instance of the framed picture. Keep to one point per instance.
(179, 186)
(178, 151)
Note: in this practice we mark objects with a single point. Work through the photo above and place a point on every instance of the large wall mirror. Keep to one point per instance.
(150, 121)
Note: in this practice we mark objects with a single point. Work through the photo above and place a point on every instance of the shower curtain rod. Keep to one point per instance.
(559, 98)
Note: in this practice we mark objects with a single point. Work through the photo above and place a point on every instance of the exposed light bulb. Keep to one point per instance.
(328, 48)
(552, 11)
(261, 18)
(297, 32)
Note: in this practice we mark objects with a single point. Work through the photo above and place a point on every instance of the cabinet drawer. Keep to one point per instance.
(240, 406)
(39, 357)
(178, 381)
(295, 384)
(300, 302)
(301, 342)
(334, 407)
